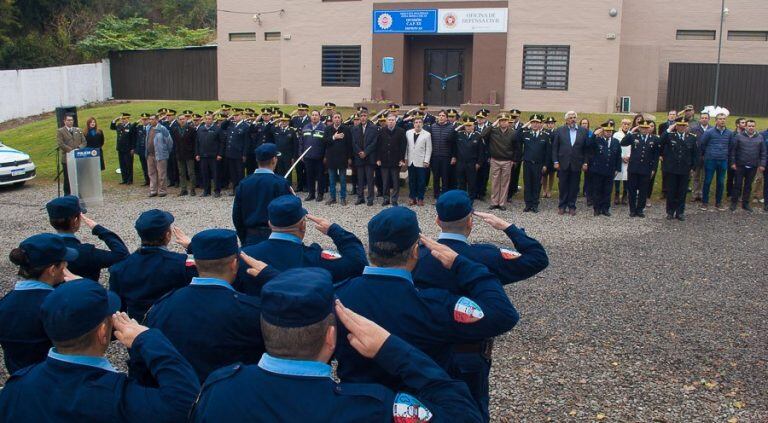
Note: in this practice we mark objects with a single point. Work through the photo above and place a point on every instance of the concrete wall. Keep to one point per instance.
(29, 92)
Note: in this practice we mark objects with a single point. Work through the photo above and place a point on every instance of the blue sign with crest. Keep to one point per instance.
(405, 21)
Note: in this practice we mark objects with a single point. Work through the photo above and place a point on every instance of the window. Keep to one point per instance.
(242, 36)
(272, 36)
(748, 35)
(546, 67)
(695, 34)
(341, 66)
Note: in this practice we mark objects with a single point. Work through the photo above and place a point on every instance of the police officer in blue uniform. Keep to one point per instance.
(66, 216)
(140, 131)
(293, 382)
(209, 151)
(643, 160)
(287, 142)
(210, 323)
(124, 144)
(151, 271)
(236, 146)
(470, 156)
(429, 319)
(537, 158)
(261, 131)
(285, 247)
(77, 383)
(678, 148)
(604, 159)
(471, 362)
(42, 261)
(253, 195)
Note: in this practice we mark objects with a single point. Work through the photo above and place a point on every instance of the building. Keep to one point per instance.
(543, 55)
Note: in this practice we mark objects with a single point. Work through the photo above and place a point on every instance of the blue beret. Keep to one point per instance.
(285, 211)
(152, 224)
(453, 205)
(64, 207)
(266, 151)
(76, 308)
(46, 249)
(397, 225)
(297, 297)
(213, 244)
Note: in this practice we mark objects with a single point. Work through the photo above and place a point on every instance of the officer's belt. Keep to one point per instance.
(484, 348)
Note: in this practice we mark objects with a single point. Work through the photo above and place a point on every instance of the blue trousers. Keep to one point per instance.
(341, 176)
(417, 182)
(712, 167)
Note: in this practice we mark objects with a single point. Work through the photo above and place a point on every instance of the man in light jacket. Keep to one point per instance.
(159, 145)
(417, 158)
(68, 138)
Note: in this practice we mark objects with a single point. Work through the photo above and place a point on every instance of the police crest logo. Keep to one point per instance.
(507, 254)
(408, 409)
(467, 311)
(330, 255)
(384, 21)
(190, 261)
(450, 20)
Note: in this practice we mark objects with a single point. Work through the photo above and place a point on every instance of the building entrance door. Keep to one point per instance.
(444, 77)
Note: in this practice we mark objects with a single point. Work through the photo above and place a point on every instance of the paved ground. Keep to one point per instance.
(634, 320)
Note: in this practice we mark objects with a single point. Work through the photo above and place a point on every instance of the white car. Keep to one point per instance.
(15, 166)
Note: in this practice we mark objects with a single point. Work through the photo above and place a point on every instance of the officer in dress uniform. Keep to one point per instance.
(514, 181)
(151, 271)
(431, 319)
(429, 119)
(140, 131)
(261, 132)
(293, 381)
(77, 383)
(680, 159)
(286, 139)
(210, 323)
(537, 159)
(66, 216)
(604, 158)
(470, 156)
(643, 160)
(327, 113)
(472, 362)
(253, 195)
(298, 122)
(42, 260)
(236, 146)
(285, 247)
(484, 173)
(124, 134)
(209, 152)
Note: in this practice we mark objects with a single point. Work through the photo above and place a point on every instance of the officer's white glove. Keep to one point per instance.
(365, 336)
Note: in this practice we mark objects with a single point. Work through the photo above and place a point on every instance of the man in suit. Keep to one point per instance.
(68, 138)
(568, 145)
(183, 134)
(390, 157)
(338, 156)
(364, 138)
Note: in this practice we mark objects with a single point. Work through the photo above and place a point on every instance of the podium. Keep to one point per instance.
(84, 169)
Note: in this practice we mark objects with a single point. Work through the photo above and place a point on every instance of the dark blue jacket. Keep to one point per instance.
(277, 392)
(140, 140)
(252, 196)
(212, 326)
(604, 155)
(22, 336)
(312, 137)
(57, 390)
(148, 274)
(260, 133)
(644, 155)
(91, 260)
(470, 148)
(429, 319)
(285, 252)
(236, 139)
(365, 143)
(209, 141)
(716, 144)
(443, 140)
(510, 265)
(287, 142)
(537, 149)
(679, 152)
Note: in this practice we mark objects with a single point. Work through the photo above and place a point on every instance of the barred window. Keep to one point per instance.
(695, 34)
(546, 67)
(341, 66)
(748, 35)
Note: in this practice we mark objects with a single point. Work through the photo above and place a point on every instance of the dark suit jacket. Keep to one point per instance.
(337, 152)
(571, 158)
(365, 143)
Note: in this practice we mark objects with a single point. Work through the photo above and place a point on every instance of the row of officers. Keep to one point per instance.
(248, 334)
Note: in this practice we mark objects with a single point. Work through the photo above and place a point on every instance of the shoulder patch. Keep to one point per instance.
(508, 254)
(408, 409)
(467, 311)
(190, 261)
(330, 255)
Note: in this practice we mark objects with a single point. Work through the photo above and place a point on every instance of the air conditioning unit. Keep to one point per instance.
(626, 104)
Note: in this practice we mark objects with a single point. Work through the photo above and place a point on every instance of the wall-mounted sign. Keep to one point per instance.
(405, 21)
(472, 20)
(387, 65)
(447, 21)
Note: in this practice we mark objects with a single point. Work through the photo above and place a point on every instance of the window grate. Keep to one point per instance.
(695, 34)
(341, 66)
(546, 67)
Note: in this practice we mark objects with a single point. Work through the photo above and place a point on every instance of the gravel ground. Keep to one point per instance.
(634, 320)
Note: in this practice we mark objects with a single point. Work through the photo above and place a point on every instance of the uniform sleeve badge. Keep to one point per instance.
(508, 254)
(190, 261)
(467, 311)
(330, 255)
(408, 409)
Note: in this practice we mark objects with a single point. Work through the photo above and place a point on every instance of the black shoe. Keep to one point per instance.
(681, 217)
(502, 208)
(192, 193)
(385, 203)
(747, 208)
(733, 207)
(640, 214)
(309, 197)
(670, 216)
(526, 210)
(183, 193)
(492, 207)
(632, 214)
(596, 213)
(394, 203)
(206, 194)
(369, 203)
(606, 213)
(216, 194)
(535, 209)
(330, 201)
(359, 201)
(319, 198)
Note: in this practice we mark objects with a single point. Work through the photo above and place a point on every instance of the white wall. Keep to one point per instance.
(29, 92)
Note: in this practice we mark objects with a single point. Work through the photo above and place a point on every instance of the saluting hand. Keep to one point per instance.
(494, 221)
(69, 276)
(254, 266)
(181, 238)
(90, 223)
(365, 336)
(444, 254)
(321, 224)
(126, 329)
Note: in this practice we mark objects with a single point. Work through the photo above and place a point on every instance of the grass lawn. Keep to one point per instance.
(38, 139)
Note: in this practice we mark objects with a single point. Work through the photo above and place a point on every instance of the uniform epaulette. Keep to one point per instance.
(379, 392)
